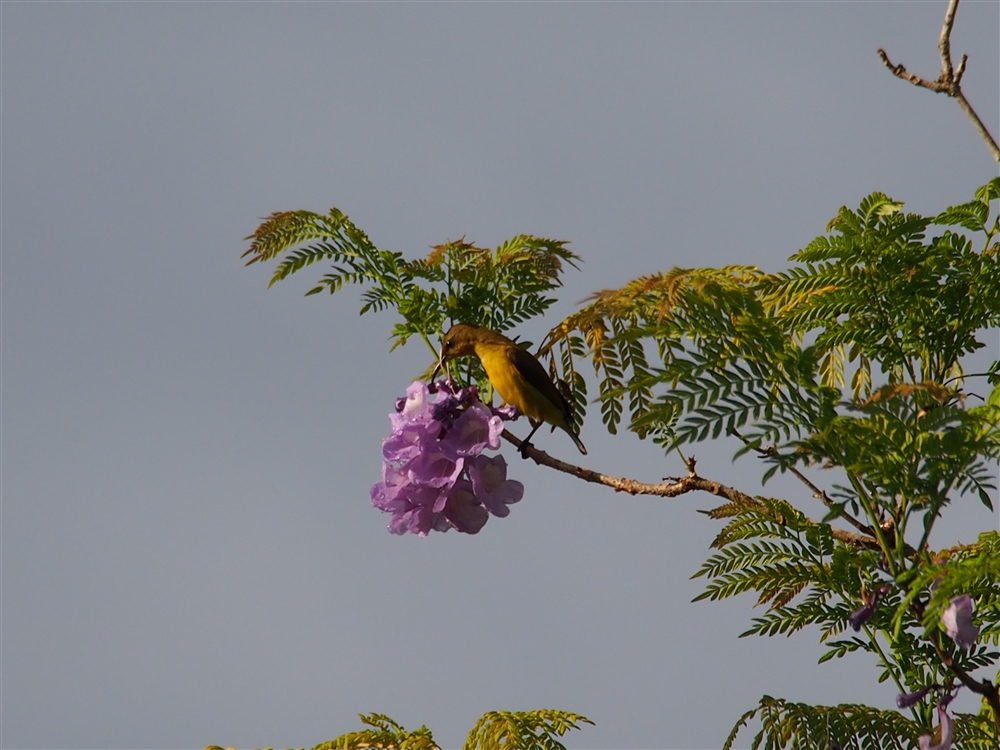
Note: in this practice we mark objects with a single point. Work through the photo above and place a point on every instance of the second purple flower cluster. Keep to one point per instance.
(434, 476)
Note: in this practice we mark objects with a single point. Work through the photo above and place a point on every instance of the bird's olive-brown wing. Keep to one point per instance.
(532, 371)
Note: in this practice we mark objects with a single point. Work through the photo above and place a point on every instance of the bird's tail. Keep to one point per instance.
(577, 442)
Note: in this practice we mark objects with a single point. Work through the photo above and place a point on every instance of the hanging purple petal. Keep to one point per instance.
(957, 621)
(860, 616)
(414, 510)
(945, 732)
(906, 700)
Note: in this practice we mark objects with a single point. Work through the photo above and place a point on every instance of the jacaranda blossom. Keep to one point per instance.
(957, 621)
(859, 617)
(434, 477)
(490, 483)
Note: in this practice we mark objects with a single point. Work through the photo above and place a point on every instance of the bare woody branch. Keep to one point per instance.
(675, 487)
(949, 80)
(985, 688)
(772, 452)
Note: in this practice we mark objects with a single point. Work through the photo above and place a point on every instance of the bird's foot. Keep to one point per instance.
(523, 450)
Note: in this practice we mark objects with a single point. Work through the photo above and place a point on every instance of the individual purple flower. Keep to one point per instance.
(417, 510)
(419, 520)
(957, 621)
(491, 486)
(860, 616)
(446, 411)
(434, 469)
(945, 733)
(473, 432)
(462, 509)
(408, 441)
(906, 700)
(386, 495)
(416, 407)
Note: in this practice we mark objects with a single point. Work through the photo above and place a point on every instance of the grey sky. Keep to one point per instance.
(189, 554)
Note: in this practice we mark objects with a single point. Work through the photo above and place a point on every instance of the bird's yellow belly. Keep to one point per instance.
(514, 389)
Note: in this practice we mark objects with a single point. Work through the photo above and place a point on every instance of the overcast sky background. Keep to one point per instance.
(189, 554)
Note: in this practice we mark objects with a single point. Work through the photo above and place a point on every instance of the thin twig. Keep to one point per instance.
(674, 488)
(949, 80)
(900, 71)
(944, 41)
(963, 376)
(772, 452)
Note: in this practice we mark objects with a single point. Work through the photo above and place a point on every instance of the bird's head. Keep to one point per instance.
(458, 342)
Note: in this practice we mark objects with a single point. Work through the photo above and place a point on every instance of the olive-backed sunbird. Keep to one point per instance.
(515, 374)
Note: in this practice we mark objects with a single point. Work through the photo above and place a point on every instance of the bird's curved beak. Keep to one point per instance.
(440, 366)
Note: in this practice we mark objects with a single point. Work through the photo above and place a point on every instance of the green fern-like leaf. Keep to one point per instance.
(522, 730)
(853, 727)
(385, 734)
(456, 282)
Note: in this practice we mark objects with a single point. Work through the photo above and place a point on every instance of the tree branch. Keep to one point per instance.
(944, 41)
(985, 688)
(949, 80)
(772, 452)
(674, 488)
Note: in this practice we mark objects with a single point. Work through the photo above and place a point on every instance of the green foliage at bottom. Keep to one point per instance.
(522, 730)
(797, 726)
(385, 733)
(495, 730)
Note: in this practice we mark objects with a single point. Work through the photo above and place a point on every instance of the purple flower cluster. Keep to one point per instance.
(434, 476)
